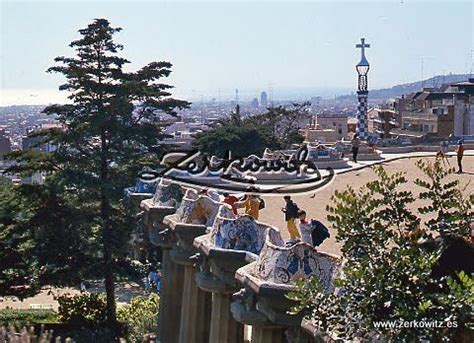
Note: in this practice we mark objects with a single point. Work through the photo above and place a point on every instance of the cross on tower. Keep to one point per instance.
(362, 69)
(362, 46)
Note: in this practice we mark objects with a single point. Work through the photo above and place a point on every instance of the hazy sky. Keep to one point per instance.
(247, 45)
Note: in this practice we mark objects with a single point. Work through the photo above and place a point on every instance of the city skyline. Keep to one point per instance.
(218, 47)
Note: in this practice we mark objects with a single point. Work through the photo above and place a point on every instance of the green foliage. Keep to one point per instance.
(111, 128)
(275, 129)
(85, 308)
(387, 274)
(21, 318)
(140, 316)
(240, 140)
(19, 270)
(452, 210)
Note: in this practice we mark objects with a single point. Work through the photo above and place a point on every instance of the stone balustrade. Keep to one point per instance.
(263, 303)
(221, 271)
(232, 243)
(366, 152)
(134, 195)
(191, 220)
(165, 202)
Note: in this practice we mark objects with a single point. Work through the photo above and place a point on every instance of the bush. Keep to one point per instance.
(398, 262)
(141, 316)
(83, 309)
(20, 318)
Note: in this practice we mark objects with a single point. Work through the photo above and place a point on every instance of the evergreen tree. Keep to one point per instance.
(109, 131)
(17, 266)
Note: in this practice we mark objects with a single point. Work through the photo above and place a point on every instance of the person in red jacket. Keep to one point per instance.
(231, 200)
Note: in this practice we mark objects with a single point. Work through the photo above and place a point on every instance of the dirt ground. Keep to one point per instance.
(125, 291)
(315, 204)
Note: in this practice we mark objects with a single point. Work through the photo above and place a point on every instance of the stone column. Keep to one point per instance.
(224, 328)
(172, 274)
(195, 312)
(195, 304)
(172, 278)
(217, 277)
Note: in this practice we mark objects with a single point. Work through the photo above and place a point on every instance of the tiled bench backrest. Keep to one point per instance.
(283, 265)
(238, 233)
(196, 209)
(167, 194)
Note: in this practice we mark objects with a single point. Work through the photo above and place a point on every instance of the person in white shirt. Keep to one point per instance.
(305, 228)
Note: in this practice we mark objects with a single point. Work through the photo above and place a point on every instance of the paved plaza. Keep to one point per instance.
(315, 204)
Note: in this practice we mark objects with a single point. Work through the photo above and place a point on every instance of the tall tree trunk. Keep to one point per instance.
(107, 238)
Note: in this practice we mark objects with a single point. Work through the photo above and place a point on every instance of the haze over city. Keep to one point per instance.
(298, 49)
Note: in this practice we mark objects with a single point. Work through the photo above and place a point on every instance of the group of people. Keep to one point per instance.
(443, 150)
(251, 202)
(312, 232)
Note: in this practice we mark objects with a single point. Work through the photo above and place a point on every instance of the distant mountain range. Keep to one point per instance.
(406, 88)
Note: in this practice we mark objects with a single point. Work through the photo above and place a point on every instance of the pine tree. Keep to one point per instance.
(110, 129)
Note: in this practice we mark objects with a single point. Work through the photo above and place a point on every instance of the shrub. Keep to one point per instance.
(20, 318)
(141, 316)
(391, 253)
(85, 308)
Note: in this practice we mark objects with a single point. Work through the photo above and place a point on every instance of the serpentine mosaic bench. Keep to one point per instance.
(238, 233)
(140, 191)
(235, 240)
(262, 302)
(167, 194)
(165, 201)
(192, 219)
(196, 209)
(279, 266)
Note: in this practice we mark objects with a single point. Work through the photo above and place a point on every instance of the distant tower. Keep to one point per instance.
(254, 103)
(270, 90)
(236, 96)
(263, 100)
(235, 116)
(362, 91)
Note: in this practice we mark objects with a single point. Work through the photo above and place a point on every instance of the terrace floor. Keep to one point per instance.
(315, 204)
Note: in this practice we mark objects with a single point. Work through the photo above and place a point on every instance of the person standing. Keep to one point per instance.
(291, 213)
(231, 200)
(355, 147)
(460, 155)
(251, 203)
(305, 228)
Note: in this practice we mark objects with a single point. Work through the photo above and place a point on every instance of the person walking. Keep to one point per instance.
(355, 147)
(291, 213)
(460, 155)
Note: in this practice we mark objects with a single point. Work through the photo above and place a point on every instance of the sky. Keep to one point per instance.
(217, 47)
